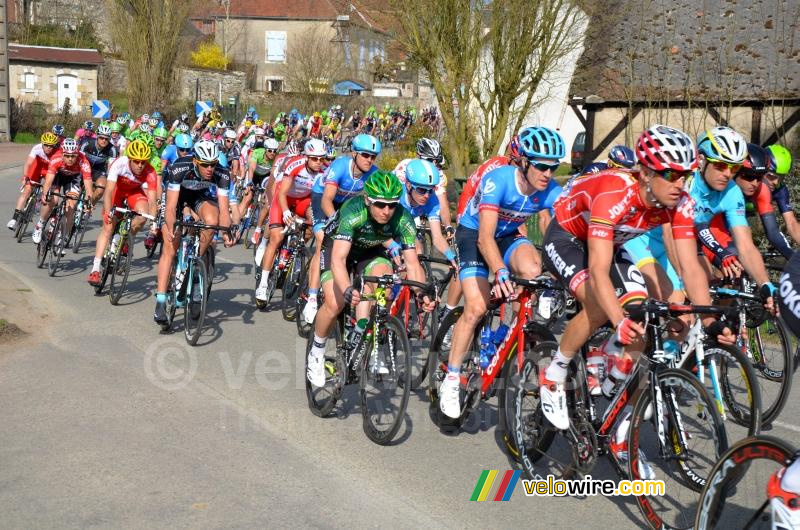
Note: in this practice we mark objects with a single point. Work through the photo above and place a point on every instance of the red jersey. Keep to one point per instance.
(302, 177)
(607, 205)
(121, 173)
(474, 181)
(40, 162)
(762, 200)
(80, 168)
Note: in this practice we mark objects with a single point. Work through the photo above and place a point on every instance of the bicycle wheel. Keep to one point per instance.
(511, 376)
(171, 304)
(304, 328)
(152, 250)
(385, 381)
(251, 222)
(194, 310)
(79, 231)
(58, 241)
(726, 500)
(291, 287)
(420, 328)
(24, 219)
(694, 438)
(119, 273)
(322, 400)
(43, 247)
(770, 351)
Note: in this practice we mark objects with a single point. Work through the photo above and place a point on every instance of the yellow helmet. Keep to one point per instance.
(49, 138)
(259, 122)
(248, 124)
(138, 150)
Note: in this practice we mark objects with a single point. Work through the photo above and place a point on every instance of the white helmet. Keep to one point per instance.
(661, 147)
(271, 143)
(315, 147)
(230, 134)
(723, 144)
(206, 151)
(258, 131)
(292, 149)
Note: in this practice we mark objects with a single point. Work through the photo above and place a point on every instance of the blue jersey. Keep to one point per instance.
(498, 191)
(780, 196)
(340, 174)
(169, 155)
(708, 202)
(430, 209)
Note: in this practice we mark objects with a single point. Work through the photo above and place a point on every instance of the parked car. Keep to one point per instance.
(578, 151)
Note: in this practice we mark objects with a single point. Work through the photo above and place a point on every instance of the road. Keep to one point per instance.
(107, 422)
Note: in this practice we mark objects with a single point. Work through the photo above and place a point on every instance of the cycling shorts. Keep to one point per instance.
(645, 249)
(296, 205)
(471, 263)
(96, 175)
(358, 262)
(195, 199)
(566, 257)
(67, 185)
(128, 199)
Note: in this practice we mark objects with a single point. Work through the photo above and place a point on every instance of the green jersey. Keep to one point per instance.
(356, 225)
(263, 165)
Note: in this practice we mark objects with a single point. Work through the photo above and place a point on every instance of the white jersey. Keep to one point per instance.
(400, 173)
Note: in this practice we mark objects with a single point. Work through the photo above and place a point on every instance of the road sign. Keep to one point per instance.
(232, 101)
(202, 106)
(101, 108)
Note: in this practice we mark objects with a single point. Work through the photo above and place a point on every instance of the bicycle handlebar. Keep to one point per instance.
(115, 210)
(666, 309)
(393, 279)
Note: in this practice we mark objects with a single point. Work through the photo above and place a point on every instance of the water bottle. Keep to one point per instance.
(114, 243)
(487, 347)
(357, 333)
(596, 368)
(499, 334)
(671, 348)
(284, 258)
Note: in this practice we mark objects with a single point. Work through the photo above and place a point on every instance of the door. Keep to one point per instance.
(68, 88)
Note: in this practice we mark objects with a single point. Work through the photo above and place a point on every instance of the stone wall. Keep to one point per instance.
(45, 87)
(114, 78)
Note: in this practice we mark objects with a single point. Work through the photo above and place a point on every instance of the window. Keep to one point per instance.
(208, 27)
(362, 51)
(273, 84)
(30, 80)
(276, 47)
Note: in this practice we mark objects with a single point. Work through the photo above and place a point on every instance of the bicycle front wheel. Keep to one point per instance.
(80, 231)
(291, 287)
(385, 381)
(677, 443)
(119, 273)
(770, 351)
(420, 328)
(58, 241)
(322, 400)
(194, 310)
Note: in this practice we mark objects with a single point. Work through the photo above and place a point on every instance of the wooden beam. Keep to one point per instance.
(618, 128)
(589, 140)
(717, 117)
(579, 114)
(790, 122)
(755, 124)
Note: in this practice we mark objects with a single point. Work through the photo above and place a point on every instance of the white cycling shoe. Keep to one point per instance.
(310, 311)
(261, 294)
(316, 369)
(36, 237)
(449, 399)
(553, 400)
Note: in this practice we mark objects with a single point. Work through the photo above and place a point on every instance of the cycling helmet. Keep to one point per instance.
(138, 150)
(251, 109)
(126, 115)
(271, 143)
(258, 131)
(69, 146)
(422, 173)
(104, 130)
(757, 161)
(145, 117)
(723, 144)
(88, 125)
(597, 167)
(146, 138)
(58, 130)
(661, 147)
(513, 148)
(230, 134)
(315, 147)
(783, 159)
(184, 116)
(115, 127)
(122, 120)
(330, 152)
(316, 114)
(323, 114)
(206, 151)
(161, 132)
(182, 127)
(153, 122)
(541, 142)
(145, 128)
(49, 138)
(366, 143)
(259, 122)
(292, 149)
(383, 186)
(622, 156)
(183, 142)
(428, 149)
(156, 115)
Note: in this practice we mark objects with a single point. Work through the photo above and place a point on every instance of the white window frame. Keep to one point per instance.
(268, 83)
(29, 76)
(274, 35)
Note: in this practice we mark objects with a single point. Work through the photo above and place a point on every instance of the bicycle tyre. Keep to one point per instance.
(79, 232)
(118, 277)
(675, 385)
(304, 328)
(424, 330)
(152, 250)
(437, 371)
(24, 219)
(398, 380)
(172, 302)
(193, 327)
(767, 375)
(335, 376)
(43, 246)
(58, 241)
(291, 287)
(729, 471)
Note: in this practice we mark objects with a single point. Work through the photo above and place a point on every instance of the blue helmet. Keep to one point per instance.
(126, 115)
(184, 142)
(622, 156)
(58, 130)
(251, 109)
(541, 142)
(597, 167)
(422, 173)
(156, 115)
(366, 143)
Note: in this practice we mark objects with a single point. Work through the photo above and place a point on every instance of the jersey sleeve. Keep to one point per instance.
(682, 218)
(434, 208)
(151, 179)
(406, 231)
(782, 199)
(763, 200)
(733, 206)
(492, 191)
(222, 178)
(55, 164)
(607, 208)
(113, 172)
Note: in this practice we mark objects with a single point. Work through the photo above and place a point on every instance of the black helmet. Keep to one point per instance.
(757, 161)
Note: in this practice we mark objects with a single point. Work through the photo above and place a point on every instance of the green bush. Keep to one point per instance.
(83, 36)
(25, 138)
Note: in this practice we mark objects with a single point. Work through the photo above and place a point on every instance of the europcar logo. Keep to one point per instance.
(505, 487)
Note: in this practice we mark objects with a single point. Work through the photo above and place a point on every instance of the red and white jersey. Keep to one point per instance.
(120, 172)
(39, 162)
(37, 151)
(80, 168)
(608, 205)
(302, 177)
(400, 172)
(474, 181)
(281, 163)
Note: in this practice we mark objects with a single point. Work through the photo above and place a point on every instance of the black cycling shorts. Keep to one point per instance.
(358, 262)
(195, 199)
(566, 257)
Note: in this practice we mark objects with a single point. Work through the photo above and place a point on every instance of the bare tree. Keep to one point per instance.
(231, 31)
(136, 25)
(313, 64)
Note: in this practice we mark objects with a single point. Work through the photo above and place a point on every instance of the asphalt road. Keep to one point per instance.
(105, 422)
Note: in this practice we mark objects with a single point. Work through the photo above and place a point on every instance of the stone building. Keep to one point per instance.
(53, 75)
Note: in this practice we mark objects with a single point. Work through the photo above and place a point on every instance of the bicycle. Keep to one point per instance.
(383, 344)
(479, 383)
(250, 218)
(83, 213)
(118, 255)
(190, 280)
(284, 262)
(738, 484)
(31, 208)
(295, 265)
(54, 235)
(672, 414)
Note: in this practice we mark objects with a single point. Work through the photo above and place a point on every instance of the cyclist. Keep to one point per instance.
(131, 183)
(64, 171)
(431, 150)
(357, 241)
(232, 152)
(619, 157)
(489, 240)
(258, 175)
(344, 179)
(201, 183)
(776, 180)
(35, 168)
(58, 130)
(85, 133)
(292, 198)
(100, 153)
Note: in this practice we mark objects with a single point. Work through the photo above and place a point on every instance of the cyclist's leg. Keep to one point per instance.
(520, 256)
(99, 187)
(208, 211)
(103, 237)
(325, 319)
(72, 193)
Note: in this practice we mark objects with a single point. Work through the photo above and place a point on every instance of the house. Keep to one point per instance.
(273, 34)
(53, 75)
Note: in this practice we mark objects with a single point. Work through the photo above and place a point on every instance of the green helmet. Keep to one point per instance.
(160, 132)
(383, 186)
(116, 127)
(783, 159)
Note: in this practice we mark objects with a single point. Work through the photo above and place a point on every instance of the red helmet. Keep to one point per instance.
(513, 147)
(661, 147)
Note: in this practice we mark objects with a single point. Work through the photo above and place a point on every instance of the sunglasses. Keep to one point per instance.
(184, 152)
(204, 164)
(228, 140)
(380, 205)
(368, 156)
(138, 162)
(719, 165)
(672, 175)
(271, 151)
(70, 155)
(541, 166)
(316, 158)
(422, 191)
(749, 177)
